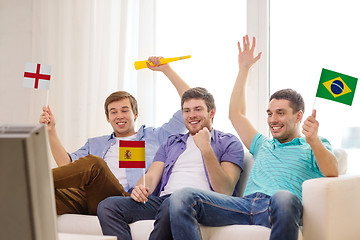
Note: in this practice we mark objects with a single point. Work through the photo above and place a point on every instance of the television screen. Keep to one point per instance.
(27, 203)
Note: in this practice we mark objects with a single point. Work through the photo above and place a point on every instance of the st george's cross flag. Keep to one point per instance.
(336, 87)
(37, 76)
(131, 154)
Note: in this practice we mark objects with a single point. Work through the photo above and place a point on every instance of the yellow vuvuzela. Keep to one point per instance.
(142, 64)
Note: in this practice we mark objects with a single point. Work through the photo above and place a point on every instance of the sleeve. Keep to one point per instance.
(82, 152)
(160, 155)
(327, 144)
(255, 143)
(234, 152)
(174, 126)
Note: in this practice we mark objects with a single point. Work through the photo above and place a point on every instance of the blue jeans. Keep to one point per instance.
(189, 207)
(116, 213)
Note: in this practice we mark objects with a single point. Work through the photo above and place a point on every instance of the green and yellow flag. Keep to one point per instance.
(336, 87)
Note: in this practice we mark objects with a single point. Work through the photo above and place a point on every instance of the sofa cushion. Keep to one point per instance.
(140, 230)
(78, 223)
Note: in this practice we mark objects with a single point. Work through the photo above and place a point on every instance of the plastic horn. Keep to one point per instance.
(142, 64)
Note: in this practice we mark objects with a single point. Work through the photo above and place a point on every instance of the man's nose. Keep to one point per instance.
(119, 115)
(192, 114)
(273, 119)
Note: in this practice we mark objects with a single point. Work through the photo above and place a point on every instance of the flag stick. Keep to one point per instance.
(47, 97)
(144, 178)
(314, 104)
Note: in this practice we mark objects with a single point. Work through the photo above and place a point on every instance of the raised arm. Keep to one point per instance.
(58, 151)
(180, 85)
(237, 108)
(325, 159)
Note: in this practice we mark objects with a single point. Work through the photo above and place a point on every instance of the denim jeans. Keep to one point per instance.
(189, 207)
(116, 213)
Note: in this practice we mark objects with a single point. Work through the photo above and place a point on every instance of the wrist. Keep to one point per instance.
(314, 141)
(206, 149)
(166, 69)
(244, 68)
(51, 130)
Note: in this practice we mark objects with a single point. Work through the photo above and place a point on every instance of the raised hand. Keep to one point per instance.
(311, 127)
(246, 55)
(156, 62)
(48, 118)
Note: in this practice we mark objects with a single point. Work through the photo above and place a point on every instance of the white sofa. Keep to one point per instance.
(331, 212)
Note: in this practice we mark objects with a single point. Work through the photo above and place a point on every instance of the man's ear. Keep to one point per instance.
(299, 116)
(136, 116)
(212, 113)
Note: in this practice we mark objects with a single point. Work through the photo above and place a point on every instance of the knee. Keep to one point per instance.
(95, 164)
(106, 208)
(285, 205)
(95, 161)
(285, 199)
(182, 198)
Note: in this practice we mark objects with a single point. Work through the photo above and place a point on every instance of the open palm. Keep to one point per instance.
(246, 55)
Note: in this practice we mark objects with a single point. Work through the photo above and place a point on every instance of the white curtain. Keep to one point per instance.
(91, 46)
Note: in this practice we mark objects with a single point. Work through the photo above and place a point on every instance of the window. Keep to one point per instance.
(209, 31)
(306, 36)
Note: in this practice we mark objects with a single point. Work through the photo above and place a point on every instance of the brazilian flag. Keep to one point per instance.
(336, 87)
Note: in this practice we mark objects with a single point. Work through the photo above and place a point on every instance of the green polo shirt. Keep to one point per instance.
(281, 166)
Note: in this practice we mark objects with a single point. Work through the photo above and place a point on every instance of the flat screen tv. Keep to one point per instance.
(27, 203)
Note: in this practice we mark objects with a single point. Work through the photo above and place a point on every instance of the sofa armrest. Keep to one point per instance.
(331, 208)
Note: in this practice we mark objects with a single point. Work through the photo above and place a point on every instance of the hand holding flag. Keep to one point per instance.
(140, 193)
(311, 127)
(132, 155)
(47, 118)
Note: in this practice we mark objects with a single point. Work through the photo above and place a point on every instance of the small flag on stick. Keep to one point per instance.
(131, 154)
(336, 87)
(37, 76)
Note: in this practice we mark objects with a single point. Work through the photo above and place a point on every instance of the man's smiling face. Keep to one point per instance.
(282, 121)
(196, 115)
(122, 118)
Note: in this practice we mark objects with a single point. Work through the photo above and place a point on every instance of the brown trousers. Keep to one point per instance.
(80, 186)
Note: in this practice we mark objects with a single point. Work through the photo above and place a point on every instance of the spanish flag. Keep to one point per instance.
(336, 87)
(131, 154)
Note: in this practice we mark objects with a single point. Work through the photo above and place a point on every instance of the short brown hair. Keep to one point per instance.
(199, 93)
(117, 96)
(295, 99)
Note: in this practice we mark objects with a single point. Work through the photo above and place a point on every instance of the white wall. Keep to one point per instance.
(21, 105)
(15, 51)
(91, 47)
